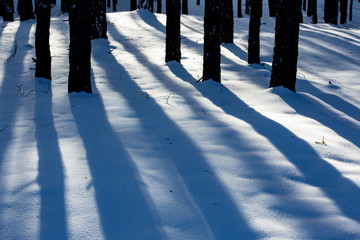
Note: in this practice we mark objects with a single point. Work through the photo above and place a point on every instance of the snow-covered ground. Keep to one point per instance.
(152, 154)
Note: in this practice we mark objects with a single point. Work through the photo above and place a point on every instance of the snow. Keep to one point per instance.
(152, 154)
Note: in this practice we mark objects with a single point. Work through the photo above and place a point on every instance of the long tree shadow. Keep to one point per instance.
(50, 170)
(121, 205)
(8, 93)
(205, 189)
(317, 172)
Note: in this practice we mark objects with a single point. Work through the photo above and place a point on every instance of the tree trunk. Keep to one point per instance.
(239, 9)
(314, 11)
(284, 65)
(150, 7)
(114, 2)
(198, 2)
(173, 43)
(351, 9)
(80, 47)
(109, 3)
(7, 9)
(273, 6)
(212, 59)
(247, 6)
(159, 6)
(53, 2)
(65, 5)
(185, 9)
(254, 32)
(331, 11)
(309, 8)
(304, 5)
(132, 5)
(42, 34)
(25, 9)
(98, 19)
(227, 21)
(343, 11)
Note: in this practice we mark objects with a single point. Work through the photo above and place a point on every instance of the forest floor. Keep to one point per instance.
(154, 154)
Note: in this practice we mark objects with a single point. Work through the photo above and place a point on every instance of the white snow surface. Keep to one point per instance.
(152, 154)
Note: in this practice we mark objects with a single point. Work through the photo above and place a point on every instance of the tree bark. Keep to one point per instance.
(239, 9)
(42, 34)
(185, 9)
(132, 5)
(80, 47)
(304, 5)
(25, 9)
(351, 9)
(212, 59)
(159, 6)
(314, 11)
(343, 11)
(227, 21)
(65, 5)
(98, 19)
(309, 8)
(254, 32)
(331, 11)
(114, 2)
(173, 43)
(273, 6)
(284, 65)
(7, 9)
(198, 2)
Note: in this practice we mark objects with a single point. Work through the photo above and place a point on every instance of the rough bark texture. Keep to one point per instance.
(227, 21)
(80, 47)
(314, 11)
(98, 19)
(42, 34)
(185, 9)
(343, 11)
(65, 5)
(284, 65)
(7, 10)
(212, 59)
(132, 5)
(25, 9)
(239, 9)
(331, 11)
(254, 32)
(173, 43)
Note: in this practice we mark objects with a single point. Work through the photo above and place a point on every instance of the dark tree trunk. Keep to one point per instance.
(239, 9)
(273, 6)
(314, 11)
(351, 9)
(284, 65)
(42, 34)
(247, 6)
(114, 2)
(304, 5)
(151, 5)
(7, 10)
(198, 2)
(65, 5)
(343, 11)
(159, 6)
(173, 41)
(53, 2)
(212, 58)
(109, 3)
(331, 11)
(132, 5)
(309, 8)
(25, 9)
(254, 32)
(80, 47)
(185, 9)
(227, 21)
(98, 19)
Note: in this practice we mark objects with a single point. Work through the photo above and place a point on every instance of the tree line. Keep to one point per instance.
(87, 20)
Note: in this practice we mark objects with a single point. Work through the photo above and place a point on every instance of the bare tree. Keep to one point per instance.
(254, 32)
(25, 9)
(173, 43)
(98, 19)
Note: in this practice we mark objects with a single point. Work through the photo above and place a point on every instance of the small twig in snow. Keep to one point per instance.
(322, 142)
